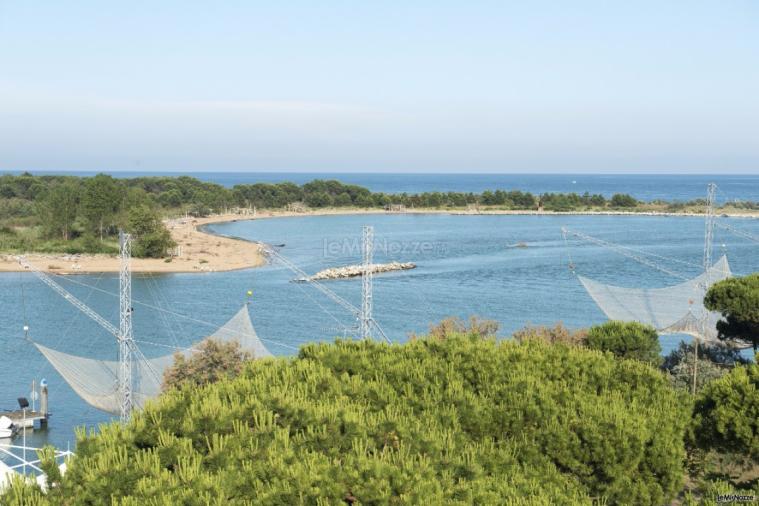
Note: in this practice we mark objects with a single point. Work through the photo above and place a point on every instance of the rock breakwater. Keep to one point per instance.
(352, 271)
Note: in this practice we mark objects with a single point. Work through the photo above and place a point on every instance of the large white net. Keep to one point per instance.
(96, 381)
(676, 309)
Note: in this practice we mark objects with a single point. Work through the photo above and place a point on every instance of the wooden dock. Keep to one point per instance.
(26, 420)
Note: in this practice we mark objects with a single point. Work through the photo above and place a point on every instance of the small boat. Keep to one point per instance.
(7, 428)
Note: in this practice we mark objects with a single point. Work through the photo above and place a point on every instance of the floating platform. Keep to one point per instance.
(26, 420)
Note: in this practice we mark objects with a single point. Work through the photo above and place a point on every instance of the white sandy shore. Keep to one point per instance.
(205, 252)
(198, 252)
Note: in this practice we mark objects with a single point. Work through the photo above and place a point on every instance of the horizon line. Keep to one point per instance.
(159, 172)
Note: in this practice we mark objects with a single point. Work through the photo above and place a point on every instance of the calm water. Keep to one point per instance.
(465, 267)
(643, 187)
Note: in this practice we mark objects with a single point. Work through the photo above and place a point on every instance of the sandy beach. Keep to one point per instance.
(200, 251)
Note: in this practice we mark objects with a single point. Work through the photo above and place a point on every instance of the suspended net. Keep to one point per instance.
(676, 309)
(96, 381)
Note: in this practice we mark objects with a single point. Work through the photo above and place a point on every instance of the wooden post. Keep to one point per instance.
(43, 402)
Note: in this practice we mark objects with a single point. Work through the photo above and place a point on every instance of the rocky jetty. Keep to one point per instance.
(352, 271)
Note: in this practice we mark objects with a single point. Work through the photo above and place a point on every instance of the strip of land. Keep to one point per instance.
(201, 251)
(197, 251)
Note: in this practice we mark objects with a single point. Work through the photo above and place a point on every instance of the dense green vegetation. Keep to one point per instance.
(551, 335)
(454, 326)
(100, 196)
(738, 301)
(456, 417)
(626, 340)
(714, 361)
(152, 239)
(460, 420)
(723, 439)
(726, 414)
(212, 361)
(75, 214)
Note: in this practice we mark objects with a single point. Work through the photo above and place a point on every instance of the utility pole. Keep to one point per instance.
(365, 323)
(708, 240)
(125, 337)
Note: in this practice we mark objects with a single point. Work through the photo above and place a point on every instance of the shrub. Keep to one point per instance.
(152, 239)
(714, 361)
(626, 340)
(622, 200)
(552, 335)
(462, 420)
(738, 301)
(212, 361)
(453, 326)
(726, 414)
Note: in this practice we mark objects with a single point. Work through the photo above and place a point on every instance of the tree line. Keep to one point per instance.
(97, 200)
(84, 213)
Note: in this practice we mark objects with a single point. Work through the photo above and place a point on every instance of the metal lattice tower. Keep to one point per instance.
(709, 232)
(709, 217)
(365, 323)
(125, 337)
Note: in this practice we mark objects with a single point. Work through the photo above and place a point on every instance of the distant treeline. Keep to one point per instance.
(72, 205)
(76, 215)
(20, 194)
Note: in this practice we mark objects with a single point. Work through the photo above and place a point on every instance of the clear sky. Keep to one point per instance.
(422, 86)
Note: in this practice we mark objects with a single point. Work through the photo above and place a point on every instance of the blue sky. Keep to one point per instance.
(540, 86)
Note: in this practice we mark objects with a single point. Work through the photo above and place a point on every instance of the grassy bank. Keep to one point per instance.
(20, 239)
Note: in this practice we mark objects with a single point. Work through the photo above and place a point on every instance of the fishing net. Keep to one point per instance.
(676, 309)
(96, 381)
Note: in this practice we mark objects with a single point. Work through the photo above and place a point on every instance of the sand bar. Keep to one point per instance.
(198, 252)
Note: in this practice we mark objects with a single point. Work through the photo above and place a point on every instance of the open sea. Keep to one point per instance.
(467, 265)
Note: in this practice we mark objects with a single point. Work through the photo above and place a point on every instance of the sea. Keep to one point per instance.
(513, 269)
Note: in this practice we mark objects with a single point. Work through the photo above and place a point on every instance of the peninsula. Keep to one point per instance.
(67, 224)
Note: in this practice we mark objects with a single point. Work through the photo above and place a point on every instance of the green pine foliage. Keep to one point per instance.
(738, 301)
(714, 361)
(462, 420)
(626, 340)
(101, 197)
(212, 361)
(622, 200)
(726, 413)
(151, 238)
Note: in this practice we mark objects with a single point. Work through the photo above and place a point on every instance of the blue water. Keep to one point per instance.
(465, 267)
(643, 187)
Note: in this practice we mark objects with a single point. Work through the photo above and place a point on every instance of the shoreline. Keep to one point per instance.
(202, 251)
(198, 251)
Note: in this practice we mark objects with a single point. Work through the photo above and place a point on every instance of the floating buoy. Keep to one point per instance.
(250, 293)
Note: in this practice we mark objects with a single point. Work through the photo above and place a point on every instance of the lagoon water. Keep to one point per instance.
(466, 265)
